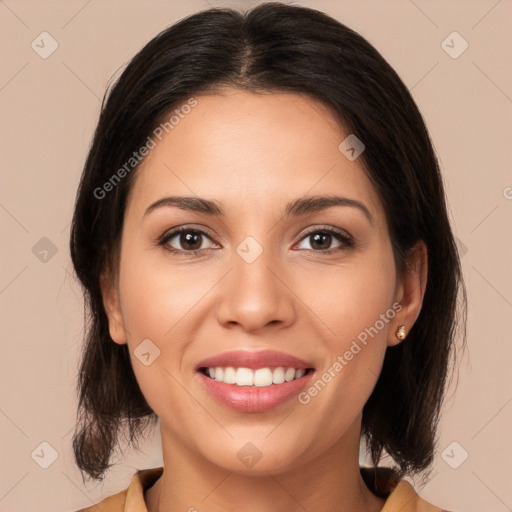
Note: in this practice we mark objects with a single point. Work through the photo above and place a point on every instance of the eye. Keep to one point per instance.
(321, 240)
(191, 240)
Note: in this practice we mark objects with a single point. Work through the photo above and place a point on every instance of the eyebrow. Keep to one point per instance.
(297, 207)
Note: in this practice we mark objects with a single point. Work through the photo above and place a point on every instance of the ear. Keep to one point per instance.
(410, 290)
(111, 303)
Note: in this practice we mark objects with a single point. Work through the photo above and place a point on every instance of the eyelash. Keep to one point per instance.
(346, 240)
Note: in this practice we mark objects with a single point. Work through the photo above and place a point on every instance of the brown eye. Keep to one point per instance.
(321, 240)
(190, 240)
(185, 240)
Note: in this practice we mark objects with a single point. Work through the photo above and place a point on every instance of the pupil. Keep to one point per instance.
(187, 239)
(320, 236)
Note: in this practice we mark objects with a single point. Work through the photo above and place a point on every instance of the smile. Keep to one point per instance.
(249, 381)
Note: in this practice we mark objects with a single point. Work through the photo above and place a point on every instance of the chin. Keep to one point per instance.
(256, 457)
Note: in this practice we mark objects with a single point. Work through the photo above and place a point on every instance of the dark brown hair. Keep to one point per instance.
(284, 48)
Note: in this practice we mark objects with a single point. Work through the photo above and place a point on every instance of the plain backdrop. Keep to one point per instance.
(49, 106)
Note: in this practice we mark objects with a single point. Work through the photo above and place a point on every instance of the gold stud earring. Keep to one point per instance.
(401, 334)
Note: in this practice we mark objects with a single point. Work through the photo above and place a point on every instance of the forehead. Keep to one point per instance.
(252, 151)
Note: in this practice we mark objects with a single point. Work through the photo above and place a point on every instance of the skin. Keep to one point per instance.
(253, 153)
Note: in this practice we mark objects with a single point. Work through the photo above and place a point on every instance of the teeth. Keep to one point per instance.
(300, 373)
(289, 375)
(259, 378)
(244, 377)
(278, 376)
(263, 377)
(219, 374)
(230, 375)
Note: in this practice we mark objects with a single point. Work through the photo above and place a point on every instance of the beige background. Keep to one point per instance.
(49, 108)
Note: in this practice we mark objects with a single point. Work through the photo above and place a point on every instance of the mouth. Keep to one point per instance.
(254, 381)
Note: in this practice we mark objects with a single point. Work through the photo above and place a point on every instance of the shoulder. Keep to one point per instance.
(131, 498)
(405, 499)
(400, 494)
(115, 503)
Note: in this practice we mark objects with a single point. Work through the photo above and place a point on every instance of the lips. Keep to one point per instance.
(263, 395)
(254, 360)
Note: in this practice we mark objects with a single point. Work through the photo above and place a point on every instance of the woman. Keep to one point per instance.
(262, 237)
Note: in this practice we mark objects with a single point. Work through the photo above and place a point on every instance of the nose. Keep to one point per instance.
(255, 295)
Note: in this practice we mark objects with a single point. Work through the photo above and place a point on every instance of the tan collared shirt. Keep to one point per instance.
(402, 498)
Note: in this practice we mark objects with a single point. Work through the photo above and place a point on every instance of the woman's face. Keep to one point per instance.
(274, 270)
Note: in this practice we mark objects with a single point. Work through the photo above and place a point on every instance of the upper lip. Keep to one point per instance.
(254, 360)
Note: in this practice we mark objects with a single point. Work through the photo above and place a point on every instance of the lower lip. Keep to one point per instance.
(253, 398)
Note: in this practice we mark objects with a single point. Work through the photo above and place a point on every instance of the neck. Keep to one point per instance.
(330, 482)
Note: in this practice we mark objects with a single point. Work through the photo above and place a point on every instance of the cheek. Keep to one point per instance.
(355, 303)
(349, 298)
(157, 296)
(156, 304)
